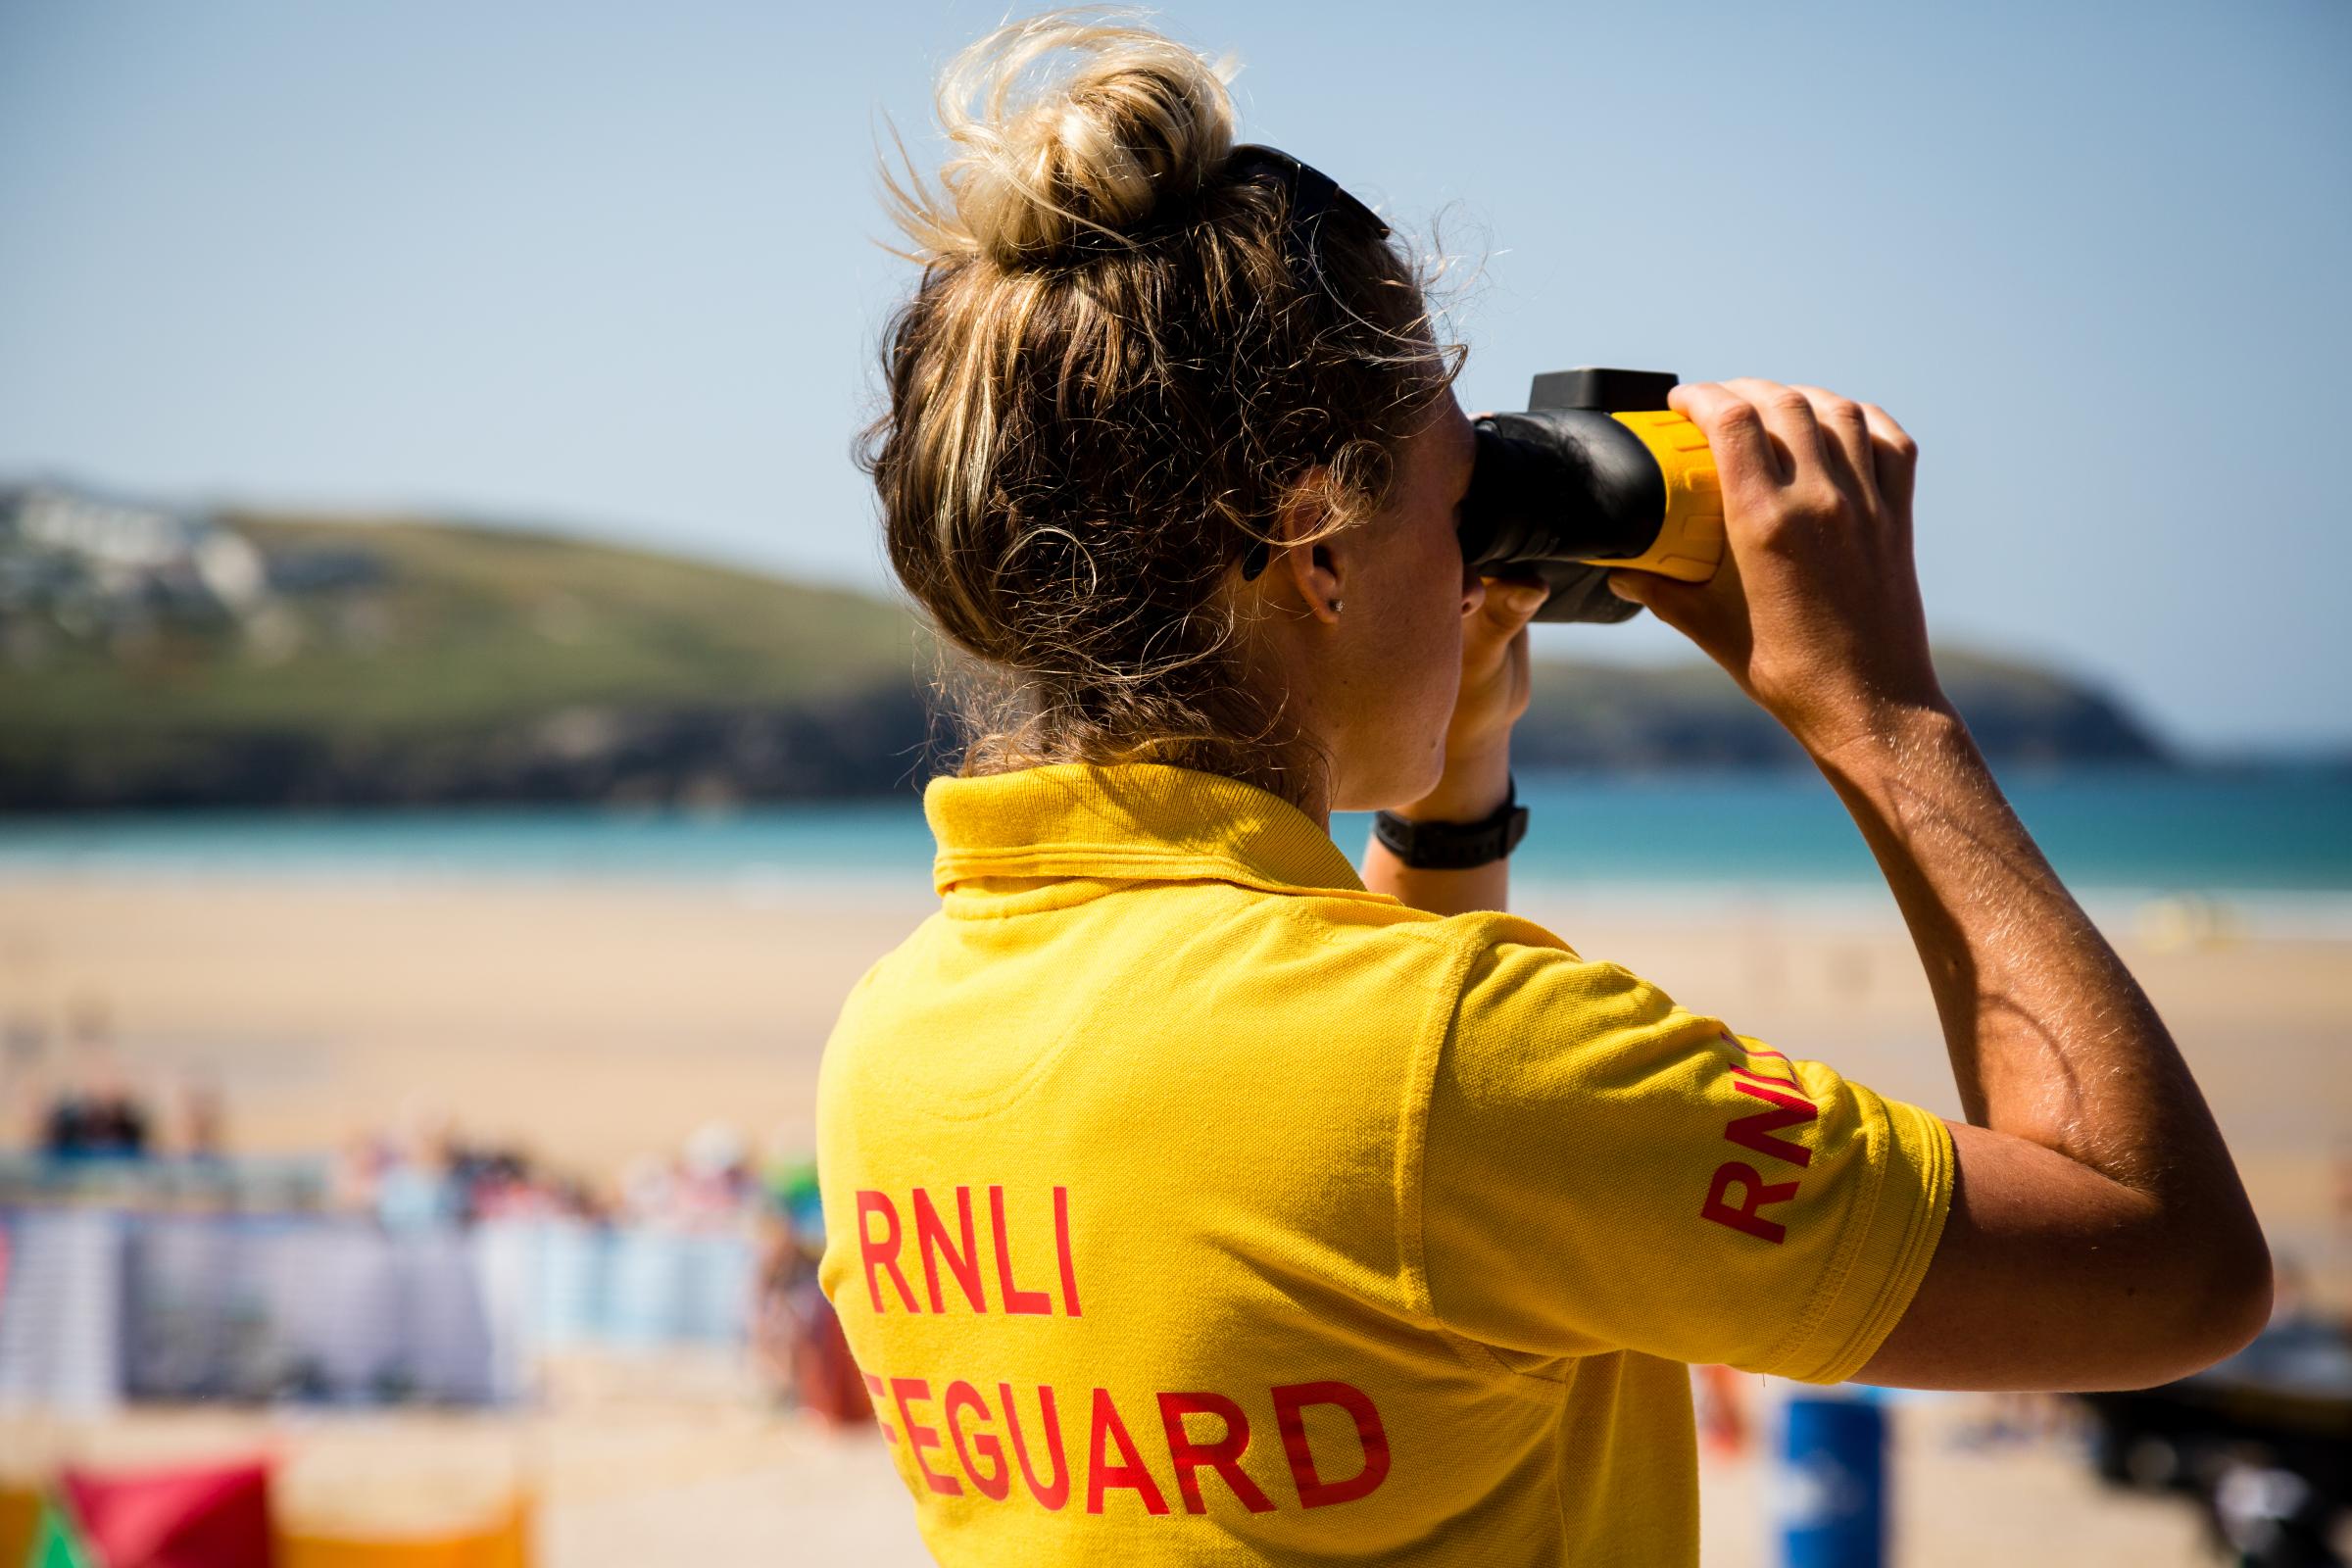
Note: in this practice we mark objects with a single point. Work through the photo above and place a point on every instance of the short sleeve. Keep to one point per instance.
(1603, 1169)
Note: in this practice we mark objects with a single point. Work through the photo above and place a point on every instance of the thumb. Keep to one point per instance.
(1510, 605)
(1670, 600)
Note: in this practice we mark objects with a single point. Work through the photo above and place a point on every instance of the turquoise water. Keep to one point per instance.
(2287, 831)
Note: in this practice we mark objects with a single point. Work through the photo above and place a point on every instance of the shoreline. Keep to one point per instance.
(599, 1020)
(2203, 913)
(2274, 850)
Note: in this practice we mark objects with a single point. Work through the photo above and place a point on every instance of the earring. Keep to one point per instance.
(1335, 607)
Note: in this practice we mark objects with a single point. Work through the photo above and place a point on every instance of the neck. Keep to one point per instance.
(1318, 807)
(1285, 666)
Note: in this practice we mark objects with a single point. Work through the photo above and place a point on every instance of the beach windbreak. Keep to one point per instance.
(1188, 1203)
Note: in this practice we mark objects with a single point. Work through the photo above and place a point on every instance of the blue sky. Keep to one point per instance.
(613, 268)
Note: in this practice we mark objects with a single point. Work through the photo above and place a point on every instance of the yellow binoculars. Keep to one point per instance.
(1596, 475)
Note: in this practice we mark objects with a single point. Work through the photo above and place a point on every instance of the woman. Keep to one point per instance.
(1192, 1197)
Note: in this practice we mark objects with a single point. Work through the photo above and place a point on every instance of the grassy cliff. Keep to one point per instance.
(408, 660)
(407, 626)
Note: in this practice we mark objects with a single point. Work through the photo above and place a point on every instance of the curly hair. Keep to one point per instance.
(1118, 367)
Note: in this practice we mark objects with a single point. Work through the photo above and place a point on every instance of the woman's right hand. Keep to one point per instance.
(2097, 1234)
(1815, 611)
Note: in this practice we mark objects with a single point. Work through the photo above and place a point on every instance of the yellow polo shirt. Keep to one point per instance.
(1187, 1202)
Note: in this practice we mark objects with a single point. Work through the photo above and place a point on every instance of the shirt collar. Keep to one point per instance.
(1128, 821)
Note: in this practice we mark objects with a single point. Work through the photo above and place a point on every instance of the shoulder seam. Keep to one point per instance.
(1412, 1154)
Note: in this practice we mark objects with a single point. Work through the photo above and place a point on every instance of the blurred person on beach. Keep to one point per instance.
(427, 1175)
(795, 1333)
(1193, 1197)
(415, 1187)
(95, 1114)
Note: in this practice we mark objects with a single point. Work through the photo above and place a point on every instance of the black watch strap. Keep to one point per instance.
(1455, 846)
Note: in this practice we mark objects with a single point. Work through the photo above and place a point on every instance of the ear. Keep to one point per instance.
(1318, 569)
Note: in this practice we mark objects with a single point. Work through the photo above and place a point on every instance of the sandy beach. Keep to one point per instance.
(591, 1021)
(594, 1020)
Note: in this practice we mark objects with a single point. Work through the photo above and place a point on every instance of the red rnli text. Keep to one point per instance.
(985, 1439)
(946, 1238)
(1737, 1190)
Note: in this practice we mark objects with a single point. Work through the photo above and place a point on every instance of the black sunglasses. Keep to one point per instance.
(1312, 192)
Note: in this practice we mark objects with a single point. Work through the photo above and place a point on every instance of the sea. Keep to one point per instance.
(2271, 841)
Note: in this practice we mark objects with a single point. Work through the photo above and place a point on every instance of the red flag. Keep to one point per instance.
(189, 1516)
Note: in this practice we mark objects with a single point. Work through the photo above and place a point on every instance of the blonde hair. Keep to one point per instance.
(1120, 362)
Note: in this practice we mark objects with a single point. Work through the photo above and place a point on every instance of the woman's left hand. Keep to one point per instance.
(1496, 686)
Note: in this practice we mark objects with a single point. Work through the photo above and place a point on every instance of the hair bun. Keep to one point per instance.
(1088, 154)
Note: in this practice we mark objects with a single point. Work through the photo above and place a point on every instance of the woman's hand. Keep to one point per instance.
(1495, 687)
(1815, 611)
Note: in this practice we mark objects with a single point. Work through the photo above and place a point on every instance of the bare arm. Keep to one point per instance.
(1472, 791)
(2099, 1236)
(1496, 682)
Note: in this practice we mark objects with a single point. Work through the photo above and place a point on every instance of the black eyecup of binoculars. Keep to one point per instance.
(1564, 481)
(1559, 486)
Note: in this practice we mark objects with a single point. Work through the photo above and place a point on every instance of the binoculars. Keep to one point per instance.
(1598, 474)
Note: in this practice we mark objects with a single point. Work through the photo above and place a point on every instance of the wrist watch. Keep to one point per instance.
(1455, 846)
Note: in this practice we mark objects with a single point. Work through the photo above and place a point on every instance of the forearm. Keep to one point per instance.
(2052, 1039)
(2096, 1234)
(1470, 792)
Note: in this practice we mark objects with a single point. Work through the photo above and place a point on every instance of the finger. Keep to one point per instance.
(1678, 604)
(1846, 439)
(1787, 414)
(1712, 614)
(1734, 432)
(1511, 605)
(1894, 456)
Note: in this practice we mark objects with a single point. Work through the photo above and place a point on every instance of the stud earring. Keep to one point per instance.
(1335, 607)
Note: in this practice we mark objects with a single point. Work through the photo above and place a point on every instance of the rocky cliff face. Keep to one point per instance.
(864, 744)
